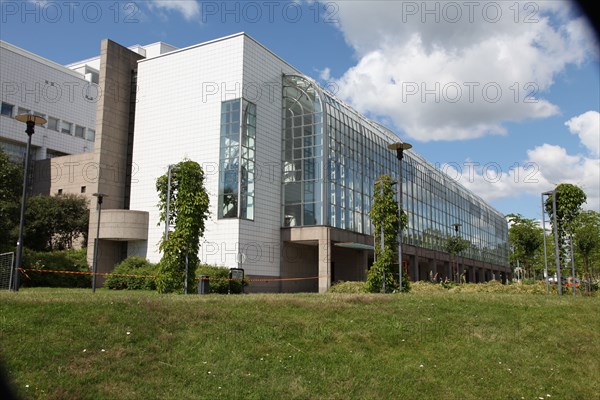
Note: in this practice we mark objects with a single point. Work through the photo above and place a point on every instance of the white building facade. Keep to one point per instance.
(31, 84)
(182, 100)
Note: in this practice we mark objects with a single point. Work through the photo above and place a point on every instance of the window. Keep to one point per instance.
(66, 127)
(37, 114)
(83, 189)
(7, 109)
(91, 135)
(22, 110)
(59, 192)
(79, 131)
(53, 123)
(237, 159)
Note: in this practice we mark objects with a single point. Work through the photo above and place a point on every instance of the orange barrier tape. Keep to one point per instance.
(154, 276)
(83, 273)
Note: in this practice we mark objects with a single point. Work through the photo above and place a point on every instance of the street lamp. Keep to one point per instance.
(381, 237)
(399, 147)
(170, 168)
(100, 197)
(555, 231)
(456, 227)
(31, 121)
(545, 257)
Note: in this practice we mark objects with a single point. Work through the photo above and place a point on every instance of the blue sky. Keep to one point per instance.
(479, 88)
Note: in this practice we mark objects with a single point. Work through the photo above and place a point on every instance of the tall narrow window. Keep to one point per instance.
(302, 153)
(237, 159)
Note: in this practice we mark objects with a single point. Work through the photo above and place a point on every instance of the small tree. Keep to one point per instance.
(384, 216)
(55, 222)
(569, 199)
(587, 237)
(526, 237)
(188, 209)
(455, 244)
(11, 184)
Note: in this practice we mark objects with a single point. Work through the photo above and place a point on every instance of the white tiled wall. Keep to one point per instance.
(178, 115)
(262, 82)
(34, 83)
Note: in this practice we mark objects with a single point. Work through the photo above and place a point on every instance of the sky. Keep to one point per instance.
(503, 96)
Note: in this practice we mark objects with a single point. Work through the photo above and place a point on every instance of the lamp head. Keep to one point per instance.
(399, 147)
(31, 121)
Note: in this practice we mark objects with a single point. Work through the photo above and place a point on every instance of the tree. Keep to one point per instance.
(455, 244)
(569, 199)
(55, 222)
(384, 216)
(586, 235)
(526, 238)
(188, 209)
(11, 185)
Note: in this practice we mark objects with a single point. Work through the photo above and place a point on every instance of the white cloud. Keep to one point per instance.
(445, 71)
(545, 167)
(190, 9)
(587, 127)
(325, 74)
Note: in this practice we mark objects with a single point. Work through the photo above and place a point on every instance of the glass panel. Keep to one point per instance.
(79, 131)
(292, 215)
(7, 109)
(293, 193)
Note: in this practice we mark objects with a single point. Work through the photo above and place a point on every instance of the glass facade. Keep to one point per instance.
(332, 157)
(237, 159)
(302, 153)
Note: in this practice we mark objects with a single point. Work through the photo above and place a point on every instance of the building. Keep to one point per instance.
(289, 169)
(65, 98)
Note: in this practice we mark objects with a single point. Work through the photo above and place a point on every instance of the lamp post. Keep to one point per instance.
(168, 201)
(31, 121)
(573, 281)
(399, 147)
(555, 231)
(100, 197)
(545, 257)
(456, 227)
(381, 237)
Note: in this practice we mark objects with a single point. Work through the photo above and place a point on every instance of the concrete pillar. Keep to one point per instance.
(325, 263)
(415, 267)
(364, 265)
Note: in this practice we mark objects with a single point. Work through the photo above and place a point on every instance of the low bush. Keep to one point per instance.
(219, 279)
(348, 287)
(426, 287)
(72, 260)
(143, 270)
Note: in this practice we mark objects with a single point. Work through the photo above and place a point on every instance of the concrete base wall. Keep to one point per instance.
(299, 261)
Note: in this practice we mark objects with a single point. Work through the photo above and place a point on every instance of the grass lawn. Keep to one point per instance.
(70, 344)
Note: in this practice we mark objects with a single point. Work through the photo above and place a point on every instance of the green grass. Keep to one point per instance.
(70, 344)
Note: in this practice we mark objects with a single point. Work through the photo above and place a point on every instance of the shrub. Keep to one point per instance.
(348, 287)
(133, 266)
(65, 260)
(219, 279)
(426, 287)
